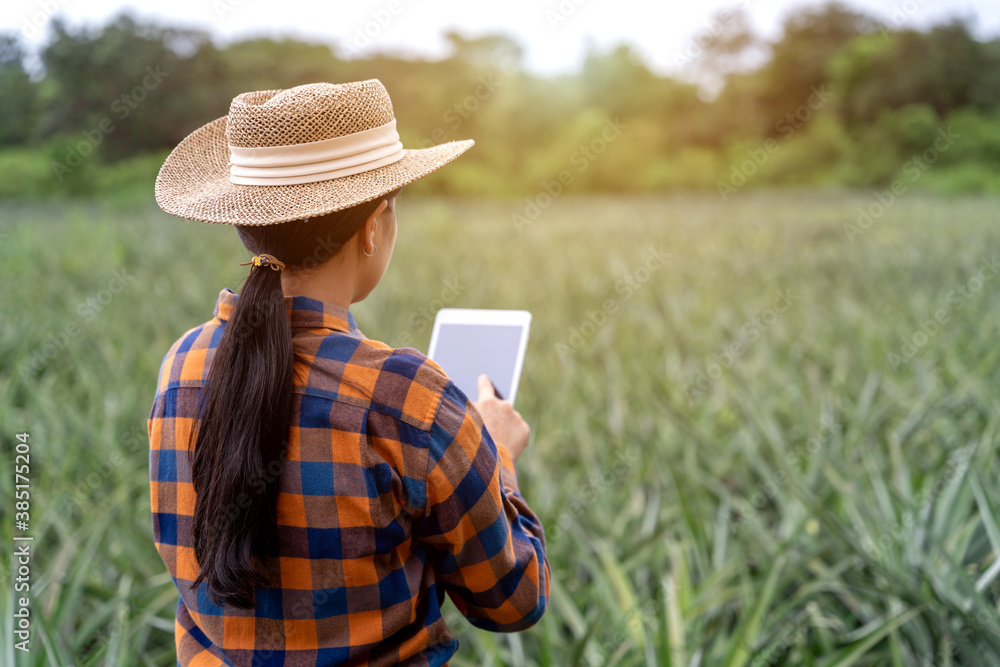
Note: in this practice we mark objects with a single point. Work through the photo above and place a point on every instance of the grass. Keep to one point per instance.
(721, 483)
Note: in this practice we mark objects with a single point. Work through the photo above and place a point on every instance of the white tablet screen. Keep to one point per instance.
(465, 350)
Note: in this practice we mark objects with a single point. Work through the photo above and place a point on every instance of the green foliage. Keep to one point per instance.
(58, 170)
(138, 90)
(979, 141)
(962, 178)
(17, 101)
(805, 158)
(945, 69)
(799, 60)
(817, 502)
(848, 99)
(24, 172)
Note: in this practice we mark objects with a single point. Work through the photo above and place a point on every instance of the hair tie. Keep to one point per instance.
(266, 260)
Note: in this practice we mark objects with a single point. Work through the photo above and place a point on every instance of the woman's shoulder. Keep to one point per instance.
(185, 359)
(396, 380)
(406, 359)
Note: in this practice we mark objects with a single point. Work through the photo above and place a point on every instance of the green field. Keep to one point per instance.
(758, 437)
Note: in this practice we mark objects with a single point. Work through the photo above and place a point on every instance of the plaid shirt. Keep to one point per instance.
(388, 499)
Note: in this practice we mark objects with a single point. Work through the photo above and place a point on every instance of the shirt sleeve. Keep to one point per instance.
(487, 546)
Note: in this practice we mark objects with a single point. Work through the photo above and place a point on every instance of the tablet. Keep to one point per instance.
(466, 342)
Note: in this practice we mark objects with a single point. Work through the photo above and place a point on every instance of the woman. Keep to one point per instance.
(316, 493)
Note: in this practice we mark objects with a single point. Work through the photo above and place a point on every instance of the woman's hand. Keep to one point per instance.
(501, 419)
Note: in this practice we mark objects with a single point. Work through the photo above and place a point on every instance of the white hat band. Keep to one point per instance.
(317, 160)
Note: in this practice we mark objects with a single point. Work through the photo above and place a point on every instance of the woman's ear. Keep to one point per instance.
(383, 205)
(367, 239)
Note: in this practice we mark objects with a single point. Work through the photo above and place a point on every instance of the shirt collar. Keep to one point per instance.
(303, 313)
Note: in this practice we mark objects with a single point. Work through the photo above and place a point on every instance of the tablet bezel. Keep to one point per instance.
(486, 316)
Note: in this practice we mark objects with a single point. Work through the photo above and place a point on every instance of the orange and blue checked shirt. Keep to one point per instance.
(392, 494)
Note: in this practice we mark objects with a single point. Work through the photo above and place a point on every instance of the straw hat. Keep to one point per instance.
(283, 155)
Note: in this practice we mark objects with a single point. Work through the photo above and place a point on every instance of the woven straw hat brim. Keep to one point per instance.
(193, 183)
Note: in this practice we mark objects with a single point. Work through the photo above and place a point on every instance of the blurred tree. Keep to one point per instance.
(726, 45)
(944, 69)
(198, 91)
(619, 83)
(133, 87)
(112, 88)
(17, 101)
(266, 64)
(488, 51)
(798, 63)
(987, 91)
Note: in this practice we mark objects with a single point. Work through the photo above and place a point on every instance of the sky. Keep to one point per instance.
(554, 33)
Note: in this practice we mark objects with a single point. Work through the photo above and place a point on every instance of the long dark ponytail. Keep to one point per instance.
(245, 406)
